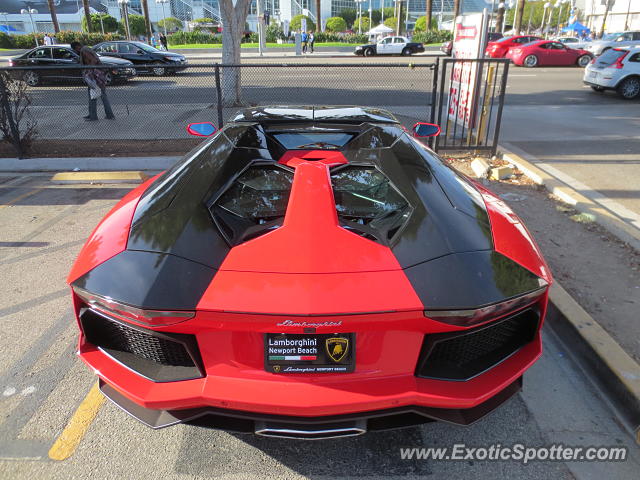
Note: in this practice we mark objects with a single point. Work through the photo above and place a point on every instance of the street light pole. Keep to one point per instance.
(381, 11)
(124, 4)
(359, 2)
(31, 12)
(164, 17)
(544, 18)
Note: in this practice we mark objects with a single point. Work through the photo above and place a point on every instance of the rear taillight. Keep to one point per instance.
(593, 60)
(468, 318)
(153, 318)
(11, 63)
(618, 63)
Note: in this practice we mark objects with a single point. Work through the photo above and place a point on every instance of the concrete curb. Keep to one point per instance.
(86, 164)
(132, 176)
(604, 217)
(612, 369)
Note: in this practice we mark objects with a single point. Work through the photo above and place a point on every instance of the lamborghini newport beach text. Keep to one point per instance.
(310, 273)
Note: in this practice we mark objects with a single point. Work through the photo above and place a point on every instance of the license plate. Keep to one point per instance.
(309, 353)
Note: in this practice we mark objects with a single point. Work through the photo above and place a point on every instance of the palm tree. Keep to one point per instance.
(54, 17)
(87, 14)
(456, 11)
(517, 22)
(318, 17)
(428, 15)
(147, 22)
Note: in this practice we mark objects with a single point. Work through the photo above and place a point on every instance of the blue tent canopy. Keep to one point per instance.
(7, 29)
(576, 27)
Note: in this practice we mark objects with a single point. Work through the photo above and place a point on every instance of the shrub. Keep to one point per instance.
(17, 126)
(6, 41)
(182, 38)
(110, 24)
(432, 36)
(274, 32)
(363, 24)
(296, 23)
(421, 24)
(336, 24)
(171, 23)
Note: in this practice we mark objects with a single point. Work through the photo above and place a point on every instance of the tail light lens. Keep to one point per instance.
(618, 63)
(152, 318)
(468, 318)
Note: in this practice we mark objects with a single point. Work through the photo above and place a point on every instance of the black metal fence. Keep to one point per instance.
(151, 106)
(470, 103)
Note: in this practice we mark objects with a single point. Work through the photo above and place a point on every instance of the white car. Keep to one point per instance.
(616, 69)
(614, 40)
(574, 42)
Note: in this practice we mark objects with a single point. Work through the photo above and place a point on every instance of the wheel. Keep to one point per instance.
(369, 52)
(108, 78)
(629, 88)
(584, 60)
(530, 61)
(31, 78)
(595, 88)
(406, 51)
(158, 71)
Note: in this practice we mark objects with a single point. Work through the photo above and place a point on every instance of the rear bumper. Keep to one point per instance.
(309, 427)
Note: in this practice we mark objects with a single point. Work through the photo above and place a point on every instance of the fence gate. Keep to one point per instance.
(467, 124)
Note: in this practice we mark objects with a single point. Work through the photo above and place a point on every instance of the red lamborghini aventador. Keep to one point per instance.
(310, 273)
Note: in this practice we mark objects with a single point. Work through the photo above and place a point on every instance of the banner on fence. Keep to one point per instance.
(470, 31)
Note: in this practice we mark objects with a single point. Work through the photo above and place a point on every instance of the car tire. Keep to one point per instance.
(406, 51)
(369, 52)
(158, 70)
(530, 61)
(108, 78)
(596, 88)
(31, 78)
(629, 88)
(584, 60)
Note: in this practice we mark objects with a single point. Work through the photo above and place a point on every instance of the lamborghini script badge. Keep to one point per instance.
(337, 348)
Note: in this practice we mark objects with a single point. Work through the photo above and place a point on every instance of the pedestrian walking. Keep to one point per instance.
(312, 39)
(154, 41)
(95, 80)
(47, 39)
(163, 42)
(305, 39)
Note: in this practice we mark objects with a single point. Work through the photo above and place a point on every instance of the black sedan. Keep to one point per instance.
(159, 62)
(390, 46)
(54, 55)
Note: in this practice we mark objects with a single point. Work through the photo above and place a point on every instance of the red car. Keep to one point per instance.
(310, 272)
(547, 53)
(499, 48)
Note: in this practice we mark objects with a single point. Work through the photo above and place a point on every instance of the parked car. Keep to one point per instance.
(447, 47)
(161, 62)
(573, 42)
(499, 48)
(390, 46)
(544, 53)
(310, 272)
(614, 40)
(47, 56)
(616, 69)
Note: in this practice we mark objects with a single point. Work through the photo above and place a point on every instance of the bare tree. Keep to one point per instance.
(54, 17)
(429, 14)
(147, 22)
(87, 15)
(17, 127)
(234, 16)
(518, 20)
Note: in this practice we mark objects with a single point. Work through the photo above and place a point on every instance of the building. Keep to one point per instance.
(70, 12)
(623, 15)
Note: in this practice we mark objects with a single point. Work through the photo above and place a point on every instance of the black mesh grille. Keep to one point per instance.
(159, 356)
(463, 355)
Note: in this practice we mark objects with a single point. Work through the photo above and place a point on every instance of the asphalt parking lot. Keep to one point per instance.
(44, 386)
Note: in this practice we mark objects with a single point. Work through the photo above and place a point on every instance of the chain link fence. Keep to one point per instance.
(159, 104)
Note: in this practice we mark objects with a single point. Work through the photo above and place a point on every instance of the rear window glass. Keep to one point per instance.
(313, 141)
(609, 57)
(503, 39)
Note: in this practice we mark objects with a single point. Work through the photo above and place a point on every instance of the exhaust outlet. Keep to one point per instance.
(310, 432)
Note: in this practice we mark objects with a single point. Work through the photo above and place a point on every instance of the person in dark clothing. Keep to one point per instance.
(96, 82)
(163, 42)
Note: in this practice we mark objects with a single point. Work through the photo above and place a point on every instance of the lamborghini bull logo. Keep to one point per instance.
(337, 348)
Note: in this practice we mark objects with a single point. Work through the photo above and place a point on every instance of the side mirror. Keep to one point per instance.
(205, 129)
(422, 129)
